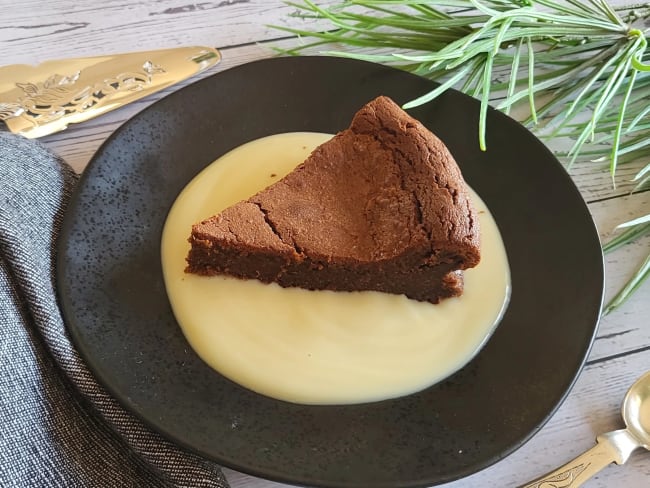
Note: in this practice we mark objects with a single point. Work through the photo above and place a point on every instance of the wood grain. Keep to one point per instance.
(35, 30)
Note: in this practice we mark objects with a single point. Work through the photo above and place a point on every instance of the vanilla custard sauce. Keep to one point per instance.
(319, 347)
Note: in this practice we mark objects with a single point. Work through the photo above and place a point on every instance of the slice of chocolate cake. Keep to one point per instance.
(381, 206)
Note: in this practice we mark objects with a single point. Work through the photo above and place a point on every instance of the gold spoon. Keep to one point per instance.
(612, 447)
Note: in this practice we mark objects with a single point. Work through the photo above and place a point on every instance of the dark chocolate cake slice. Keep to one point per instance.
(381, 206)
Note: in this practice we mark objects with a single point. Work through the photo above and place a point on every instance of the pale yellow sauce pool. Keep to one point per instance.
(319, 347)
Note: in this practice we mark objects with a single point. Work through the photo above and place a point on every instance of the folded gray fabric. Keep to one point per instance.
(58, 427)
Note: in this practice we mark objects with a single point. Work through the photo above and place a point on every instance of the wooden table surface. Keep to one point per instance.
(32, 31)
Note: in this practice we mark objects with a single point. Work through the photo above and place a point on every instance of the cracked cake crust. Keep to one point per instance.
(381, 206)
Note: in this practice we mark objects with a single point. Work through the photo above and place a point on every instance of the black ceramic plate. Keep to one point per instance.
(115, 306)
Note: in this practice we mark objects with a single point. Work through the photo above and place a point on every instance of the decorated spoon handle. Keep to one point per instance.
(613, 447)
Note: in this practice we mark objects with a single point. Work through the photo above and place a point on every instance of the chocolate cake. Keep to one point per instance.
(381, 206)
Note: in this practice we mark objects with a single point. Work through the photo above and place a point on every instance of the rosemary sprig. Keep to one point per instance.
(587, 60)
(634, 229)
(639, 277)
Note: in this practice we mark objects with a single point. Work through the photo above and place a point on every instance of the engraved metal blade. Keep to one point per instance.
(39, 100)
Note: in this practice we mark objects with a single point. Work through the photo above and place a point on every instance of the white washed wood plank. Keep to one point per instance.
(240, 480)
(34, 31)
(83, 28)
(622, 330)
(595, 181)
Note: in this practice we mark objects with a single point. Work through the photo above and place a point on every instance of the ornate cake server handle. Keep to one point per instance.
(612, 447)
(39, 100)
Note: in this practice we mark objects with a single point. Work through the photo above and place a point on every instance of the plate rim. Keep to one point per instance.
(278, 476)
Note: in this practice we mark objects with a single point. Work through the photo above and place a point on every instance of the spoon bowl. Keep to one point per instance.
(636, 410)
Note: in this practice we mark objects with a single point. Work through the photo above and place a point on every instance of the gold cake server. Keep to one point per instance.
(39, 100)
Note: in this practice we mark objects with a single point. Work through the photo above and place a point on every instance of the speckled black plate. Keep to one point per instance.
(114, 302)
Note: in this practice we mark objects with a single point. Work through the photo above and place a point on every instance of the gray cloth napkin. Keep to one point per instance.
(58, 426)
